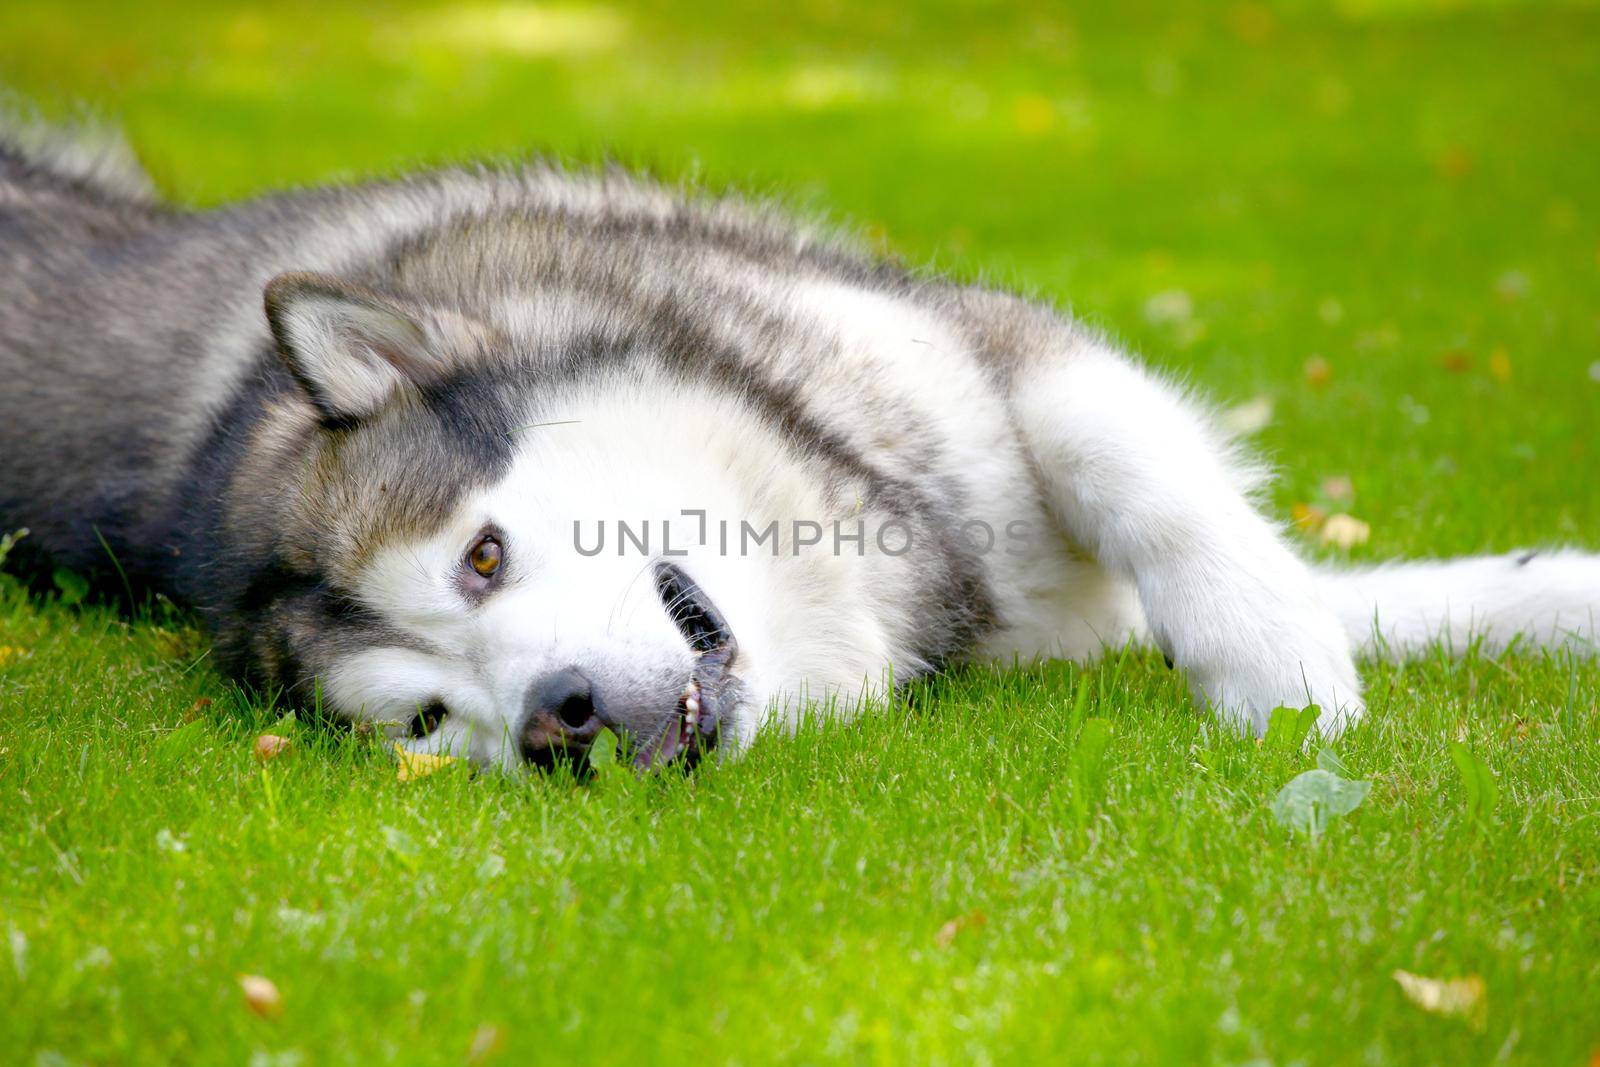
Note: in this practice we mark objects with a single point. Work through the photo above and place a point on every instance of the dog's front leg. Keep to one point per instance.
(1140, 479)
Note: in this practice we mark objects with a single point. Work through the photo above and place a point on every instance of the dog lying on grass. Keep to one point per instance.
(501, 458)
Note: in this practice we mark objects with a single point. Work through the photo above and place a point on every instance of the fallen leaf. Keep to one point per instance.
(487, 1041)
(261, 995)
(8, 653)
(197, 709)
(1338, 487)
(1458, 998)
(1252, 23)
(1033, 113)
(947, 933)
(1455, 162)
(271, 746)
(1344, 531)
(1512, 285)
(1319, 372)
(1456, 360)
(1169, 307)
(1252, 416)
(1308, 517)
(419, 764)
(1500, 366)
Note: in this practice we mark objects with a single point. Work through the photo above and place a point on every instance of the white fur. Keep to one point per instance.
(1142, 529)
(1549, 599)
(1142, 482)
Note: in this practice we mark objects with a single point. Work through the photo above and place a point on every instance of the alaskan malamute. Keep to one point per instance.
(500, 457)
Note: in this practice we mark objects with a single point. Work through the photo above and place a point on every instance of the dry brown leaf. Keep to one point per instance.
(197, 709)
(1319, 372)
(1338, 487)
(1455, 162)
(271, 746)
(1458, 998)
(261, 995)
(1456, 360)
(487, 1041)
(1344, 531)
(947, 933)
(419, 764)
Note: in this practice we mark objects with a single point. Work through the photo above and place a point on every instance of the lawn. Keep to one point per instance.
(1383, 216)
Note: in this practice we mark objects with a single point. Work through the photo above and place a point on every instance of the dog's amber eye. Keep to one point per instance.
(485, 556)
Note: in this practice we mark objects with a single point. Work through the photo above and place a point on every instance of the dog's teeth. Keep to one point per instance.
(691, 704)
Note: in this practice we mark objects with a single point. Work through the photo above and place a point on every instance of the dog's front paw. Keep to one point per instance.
(1245, 684)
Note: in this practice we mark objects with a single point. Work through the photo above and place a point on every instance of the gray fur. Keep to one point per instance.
(297, 414)
(142, 405)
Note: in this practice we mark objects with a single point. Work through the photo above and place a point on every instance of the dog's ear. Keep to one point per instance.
(350, 348)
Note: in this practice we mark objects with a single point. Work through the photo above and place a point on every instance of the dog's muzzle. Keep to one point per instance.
(565, 711)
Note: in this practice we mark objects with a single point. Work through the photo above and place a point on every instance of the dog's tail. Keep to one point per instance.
(1545, 599)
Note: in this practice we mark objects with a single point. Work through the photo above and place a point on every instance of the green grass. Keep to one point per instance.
(1401, 187)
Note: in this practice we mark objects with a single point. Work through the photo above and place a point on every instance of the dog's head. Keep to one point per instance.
(499, 545)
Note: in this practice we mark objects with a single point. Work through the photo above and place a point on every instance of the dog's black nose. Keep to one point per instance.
(561, 713)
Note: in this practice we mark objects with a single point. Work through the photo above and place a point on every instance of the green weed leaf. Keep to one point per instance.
(1477, 782)
(1329, 761)
(603, 753)
(8, 542)
(1288, 727)
(72, 586)
(1313, 799)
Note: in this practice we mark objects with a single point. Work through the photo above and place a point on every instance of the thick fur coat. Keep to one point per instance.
(500, 457)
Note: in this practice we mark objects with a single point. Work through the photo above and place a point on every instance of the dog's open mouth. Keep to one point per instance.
(712, 688)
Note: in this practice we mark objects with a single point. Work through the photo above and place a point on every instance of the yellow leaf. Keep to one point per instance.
(8, 653)
(261, 995)
(1033, 113)
(1458, 998)
(1500, 366)
(419, 764)
(1308, 517)
(1345, 531)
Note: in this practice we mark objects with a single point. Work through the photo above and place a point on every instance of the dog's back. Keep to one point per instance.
(74, 420)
